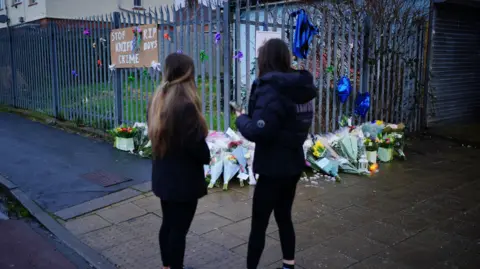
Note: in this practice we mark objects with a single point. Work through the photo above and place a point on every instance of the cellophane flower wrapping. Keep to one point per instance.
(216, 169)
(397, 132)
(143, 145)
(216, 143)
(320, 160)
(373, 129)
(230, 169)
(239, 154)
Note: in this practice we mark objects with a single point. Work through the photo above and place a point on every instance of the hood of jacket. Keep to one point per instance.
(296, 85)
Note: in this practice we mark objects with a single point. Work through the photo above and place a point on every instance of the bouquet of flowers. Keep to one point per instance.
(124, 131)
(230, 169)
(239, 153)
(142, 143)
(124, 137)
(385, 148)
(251, 175)
(216, 169)
(347, 151)
(317, 160)
(371, 148)
(373, 129)
(371, 144)
(397, 132)
(386, 142)
(399, 143)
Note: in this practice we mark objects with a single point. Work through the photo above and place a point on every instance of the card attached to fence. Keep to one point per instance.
(263, 36)
(134, 47)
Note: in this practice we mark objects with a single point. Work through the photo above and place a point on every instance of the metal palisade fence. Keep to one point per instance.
(61, 68)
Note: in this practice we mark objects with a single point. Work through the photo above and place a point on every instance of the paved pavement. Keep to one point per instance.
(22, 248)
(47, 163)
(421, 213)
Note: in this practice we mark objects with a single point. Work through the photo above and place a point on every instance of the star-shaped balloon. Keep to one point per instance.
(344, 88)
(362, 104)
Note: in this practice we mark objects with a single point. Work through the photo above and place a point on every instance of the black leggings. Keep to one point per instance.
(277, 195)
(177, 218)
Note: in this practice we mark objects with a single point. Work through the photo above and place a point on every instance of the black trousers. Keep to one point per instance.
(277, 195)
(177, 217)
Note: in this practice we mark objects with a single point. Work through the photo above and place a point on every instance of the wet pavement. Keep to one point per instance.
(23, 248)
(47, 163)
(420, 213)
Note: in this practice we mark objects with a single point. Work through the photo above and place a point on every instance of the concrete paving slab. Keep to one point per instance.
(96, 203)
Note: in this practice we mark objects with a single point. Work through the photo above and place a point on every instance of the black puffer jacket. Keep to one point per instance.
(280, 113)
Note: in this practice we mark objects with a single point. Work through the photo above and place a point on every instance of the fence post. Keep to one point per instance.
(226, 64)
(12, 66)
(367, 26)
(117, 84)
(428, 69)
(54, 69)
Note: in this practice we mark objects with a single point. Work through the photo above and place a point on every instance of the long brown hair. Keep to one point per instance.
(274, 56)
(166, 126)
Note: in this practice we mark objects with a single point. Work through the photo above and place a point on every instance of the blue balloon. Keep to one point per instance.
(344, 88)
(362, 104)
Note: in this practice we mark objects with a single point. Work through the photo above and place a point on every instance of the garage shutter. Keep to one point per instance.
(456, 64)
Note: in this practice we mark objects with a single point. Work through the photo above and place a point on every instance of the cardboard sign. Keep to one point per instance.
(263, 36)
(127, 53)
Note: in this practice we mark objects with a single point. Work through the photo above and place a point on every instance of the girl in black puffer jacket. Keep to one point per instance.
(280, 113)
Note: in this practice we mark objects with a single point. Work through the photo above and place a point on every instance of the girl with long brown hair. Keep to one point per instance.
(177, 130)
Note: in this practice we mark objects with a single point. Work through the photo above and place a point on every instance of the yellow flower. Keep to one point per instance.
(316, 153)
(379, 122)
(119, 129)
(318, 144)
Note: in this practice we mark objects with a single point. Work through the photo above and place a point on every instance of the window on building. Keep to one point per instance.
(2, 4)
(16, 2)
(32, 2)
(137, 3)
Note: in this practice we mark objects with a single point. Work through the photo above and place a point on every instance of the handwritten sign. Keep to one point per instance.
(128, 52)
(263, 36)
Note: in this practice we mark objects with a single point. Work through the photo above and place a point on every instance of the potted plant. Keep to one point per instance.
(371, 147)
(124, 137)
(385, 148)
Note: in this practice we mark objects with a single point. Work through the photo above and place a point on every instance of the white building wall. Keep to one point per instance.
(72, 9)
(29, 12)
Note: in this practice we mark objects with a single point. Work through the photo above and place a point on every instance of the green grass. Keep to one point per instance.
(93, 105)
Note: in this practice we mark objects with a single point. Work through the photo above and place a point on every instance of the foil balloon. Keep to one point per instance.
(362, 104)
(344, 88)
(304, 33)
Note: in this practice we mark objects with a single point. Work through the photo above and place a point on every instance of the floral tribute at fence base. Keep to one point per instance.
(124, 137)
(351, 149)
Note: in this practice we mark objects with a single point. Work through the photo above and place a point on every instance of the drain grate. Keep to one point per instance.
(104, 178)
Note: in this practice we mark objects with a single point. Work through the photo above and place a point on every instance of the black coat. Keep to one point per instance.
(179, 174)
(280, 113)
